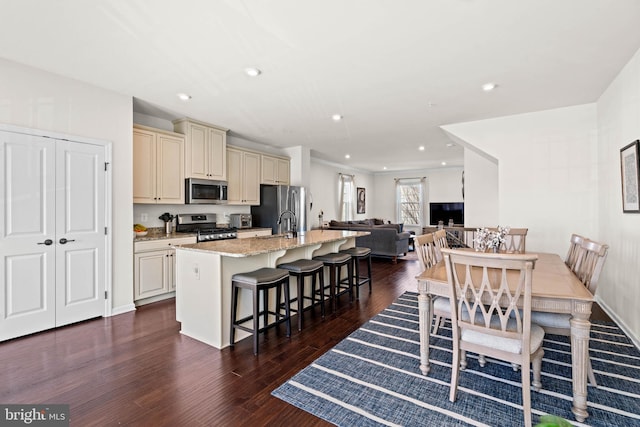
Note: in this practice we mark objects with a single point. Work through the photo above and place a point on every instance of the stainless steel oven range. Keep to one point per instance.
(205, 226)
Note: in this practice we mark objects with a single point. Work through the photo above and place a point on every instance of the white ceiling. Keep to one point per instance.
(396, 70)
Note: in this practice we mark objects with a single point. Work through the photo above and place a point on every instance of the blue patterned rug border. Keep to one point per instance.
(372, 378)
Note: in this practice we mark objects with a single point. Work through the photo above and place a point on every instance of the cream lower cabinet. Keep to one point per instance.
(158, 166)
(243, 169)
(154, 267)
(275, 170)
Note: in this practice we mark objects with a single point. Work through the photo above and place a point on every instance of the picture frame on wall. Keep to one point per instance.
(361, 192)
(630, 175)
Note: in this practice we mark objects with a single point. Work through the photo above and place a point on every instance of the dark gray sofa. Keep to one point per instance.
(385, 240)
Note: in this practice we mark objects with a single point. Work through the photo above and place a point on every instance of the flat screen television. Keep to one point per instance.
(446, 211)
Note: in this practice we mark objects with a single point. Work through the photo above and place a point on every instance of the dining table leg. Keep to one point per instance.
(580, 330)
(424, 316)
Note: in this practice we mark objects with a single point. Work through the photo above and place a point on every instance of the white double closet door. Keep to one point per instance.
(52, 233)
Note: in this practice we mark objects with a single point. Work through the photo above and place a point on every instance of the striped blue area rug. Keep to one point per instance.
(373, 378)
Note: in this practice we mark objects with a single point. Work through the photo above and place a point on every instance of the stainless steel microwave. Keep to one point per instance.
(205, 191)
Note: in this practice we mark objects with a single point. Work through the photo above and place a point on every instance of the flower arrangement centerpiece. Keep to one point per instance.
(490, 239)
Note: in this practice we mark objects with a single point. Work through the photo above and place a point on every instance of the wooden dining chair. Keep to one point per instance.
(440, 306)
(515, 240)
(426, 249)
(575, 251)
(589, 263)
(486, 289)
(440, 239)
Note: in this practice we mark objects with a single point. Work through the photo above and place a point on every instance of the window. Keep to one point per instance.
(347, 197)
(410, 201)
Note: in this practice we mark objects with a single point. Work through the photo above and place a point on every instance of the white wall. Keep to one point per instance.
(619, 125)
(300, 164)
(481, 190)
(36, 99)
(324, 186)
(547, 171)
(443, 185)
(559, 173)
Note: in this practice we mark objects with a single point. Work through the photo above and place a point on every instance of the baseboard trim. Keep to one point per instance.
(123, 309)
(156, 298)
(627, 330)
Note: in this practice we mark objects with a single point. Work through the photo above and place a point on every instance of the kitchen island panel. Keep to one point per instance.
(204, 271)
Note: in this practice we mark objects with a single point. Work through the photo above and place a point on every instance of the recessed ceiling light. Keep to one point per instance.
(444, 163)
(421, 148)
(252, 71)
(488, 87)
(184, 96)
(336, 117)
(450, 144)
(347, 156)
(384, 168)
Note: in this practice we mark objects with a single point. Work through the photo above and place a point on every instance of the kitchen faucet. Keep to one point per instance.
(293, 221)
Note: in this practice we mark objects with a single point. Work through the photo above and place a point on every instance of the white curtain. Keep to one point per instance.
(347, 197)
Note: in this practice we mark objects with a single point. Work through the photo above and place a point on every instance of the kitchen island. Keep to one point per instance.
(204, 271)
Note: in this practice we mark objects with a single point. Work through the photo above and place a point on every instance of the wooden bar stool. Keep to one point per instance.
(357, 254)
(262, 279)
(306, 268)
(335, 261)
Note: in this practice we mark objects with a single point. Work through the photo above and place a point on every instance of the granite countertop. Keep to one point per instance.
(265, 244)
(157, 233)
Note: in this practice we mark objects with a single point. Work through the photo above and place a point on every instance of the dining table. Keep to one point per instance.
(555, 289)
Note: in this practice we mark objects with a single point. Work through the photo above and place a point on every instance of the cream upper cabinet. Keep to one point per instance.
(243, 168)
(158, 166)
(275, 170)
(205, 149)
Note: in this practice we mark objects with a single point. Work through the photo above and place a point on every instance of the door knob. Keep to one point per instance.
(46, 242)
(64, 241)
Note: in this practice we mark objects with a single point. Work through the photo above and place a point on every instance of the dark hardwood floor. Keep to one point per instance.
(136, 369)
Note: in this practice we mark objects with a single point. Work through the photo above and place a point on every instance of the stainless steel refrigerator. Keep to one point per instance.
(274, 201)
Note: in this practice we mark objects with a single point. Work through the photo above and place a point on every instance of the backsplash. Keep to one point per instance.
(152, 212)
